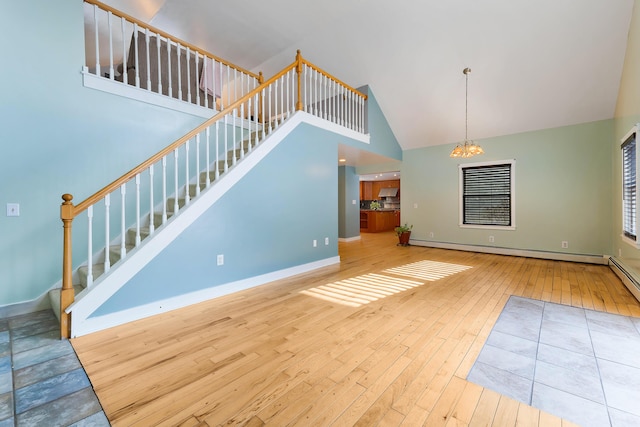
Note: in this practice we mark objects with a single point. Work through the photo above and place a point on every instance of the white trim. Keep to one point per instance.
(629, 241)
(348, 239)
(626, 239)
(98, 323)
(139, 94)
(42, 302)
(626, 275)
(558, 256)
(463, 166)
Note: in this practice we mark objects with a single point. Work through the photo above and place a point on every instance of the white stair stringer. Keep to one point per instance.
(105, 286)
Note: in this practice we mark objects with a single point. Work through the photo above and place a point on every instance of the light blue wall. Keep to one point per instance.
(265, 223)
(562, 185)
(383, 141)
(348, 212)
(58, 137)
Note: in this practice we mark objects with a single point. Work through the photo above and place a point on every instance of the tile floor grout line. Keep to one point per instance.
(573, 319)
(33, 332)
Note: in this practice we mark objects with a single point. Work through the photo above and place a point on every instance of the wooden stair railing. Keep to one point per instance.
(154, 60)
(261, 111)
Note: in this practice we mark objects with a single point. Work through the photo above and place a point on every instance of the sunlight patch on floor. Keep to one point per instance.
(428, 270)
(360, 290)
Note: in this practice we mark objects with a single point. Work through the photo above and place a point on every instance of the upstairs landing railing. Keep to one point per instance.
(136, 205)
(121, 48)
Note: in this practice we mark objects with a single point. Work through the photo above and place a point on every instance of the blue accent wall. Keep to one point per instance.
(348, 212)
(383, 141)
(265, 223)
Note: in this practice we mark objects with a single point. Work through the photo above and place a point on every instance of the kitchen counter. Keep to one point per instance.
(375, 221)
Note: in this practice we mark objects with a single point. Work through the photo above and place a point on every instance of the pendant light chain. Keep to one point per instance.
(466, 105)
(467, 148)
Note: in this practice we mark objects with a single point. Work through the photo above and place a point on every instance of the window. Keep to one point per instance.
(487, 195)
(629, 195)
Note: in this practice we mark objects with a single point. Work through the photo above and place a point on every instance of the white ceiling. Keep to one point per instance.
(535, 64)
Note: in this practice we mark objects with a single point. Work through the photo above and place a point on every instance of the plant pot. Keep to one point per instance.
(403, 238)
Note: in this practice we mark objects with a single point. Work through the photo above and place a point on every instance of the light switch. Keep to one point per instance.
(13, 209)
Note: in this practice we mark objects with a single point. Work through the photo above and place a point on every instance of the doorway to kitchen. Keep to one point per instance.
(379, 202)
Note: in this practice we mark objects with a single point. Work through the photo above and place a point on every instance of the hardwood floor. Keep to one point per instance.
(275, 356)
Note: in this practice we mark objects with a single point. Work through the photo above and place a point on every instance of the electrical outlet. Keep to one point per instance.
(565, 244)
(491, 239)
(431, 234)
(415, 206)
(326, 241)
(220, 259)
(315, 243)
(13, 209)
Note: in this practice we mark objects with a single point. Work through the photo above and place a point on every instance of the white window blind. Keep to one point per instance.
(629, 195)
(487, 195)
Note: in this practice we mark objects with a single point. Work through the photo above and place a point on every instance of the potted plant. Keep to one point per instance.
(404, 232)
(375, 205)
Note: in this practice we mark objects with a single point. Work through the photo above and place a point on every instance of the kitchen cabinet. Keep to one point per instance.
(377, 185)
(366, 190)
(377, 221)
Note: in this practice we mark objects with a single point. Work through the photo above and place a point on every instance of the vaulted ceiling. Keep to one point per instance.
(535, 64)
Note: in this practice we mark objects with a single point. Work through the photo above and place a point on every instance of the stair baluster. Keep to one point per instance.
(90, 246)
(107, 208)
(187, 196)
(164, 190)
(188, 61)
(123, 221)
(138, 238)
(151, 204)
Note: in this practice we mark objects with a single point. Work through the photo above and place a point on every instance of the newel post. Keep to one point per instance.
(67, 293)
(299, 74)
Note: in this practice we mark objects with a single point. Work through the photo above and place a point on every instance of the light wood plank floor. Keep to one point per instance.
(276, 356)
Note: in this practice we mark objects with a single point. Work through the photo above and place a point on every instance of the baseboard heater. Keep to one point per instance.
(624, 273)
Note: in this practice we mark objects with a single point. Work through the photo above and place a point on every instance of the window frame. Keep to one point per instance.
(461, 168)
(623, 143)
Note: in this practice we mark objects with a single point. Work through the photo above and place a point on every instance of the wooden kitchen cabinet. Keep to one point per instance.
(366, 190)
(377, 221)
(377, 185)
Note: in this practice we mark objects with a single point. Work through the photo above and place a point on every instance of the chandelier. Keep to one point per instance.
(468, 148)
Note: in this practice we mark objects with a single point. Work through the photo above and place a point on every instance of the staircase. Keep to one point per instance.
(191, 167)
(216, 170)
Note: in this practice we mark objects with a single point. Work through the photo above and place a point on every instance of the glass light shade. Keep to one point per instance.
(468, 149)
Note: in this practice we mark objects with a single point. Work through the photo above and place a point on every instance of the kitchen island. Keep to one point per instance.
(375, 221)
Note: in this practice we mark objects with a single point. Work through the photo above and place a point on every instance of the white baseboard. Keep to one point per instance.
(626, 275)
(348, 239)
(558, 256)
(94, 324)
(38, 304)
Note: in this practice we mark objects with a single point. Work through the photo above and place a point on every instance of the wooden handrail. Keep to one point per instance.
(340, 82)
(91, 200)
(168, 36)
(80, 207)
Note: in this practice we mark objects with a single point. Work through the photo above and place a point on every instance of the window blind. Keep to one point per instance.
(487, 195)
(629, 187)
